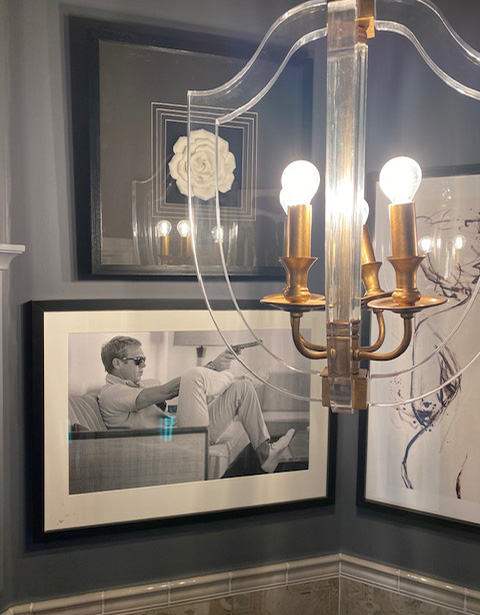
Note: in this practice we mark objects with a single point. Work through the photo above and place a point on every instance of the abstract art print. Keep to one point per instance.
(423, 455)
(147, 416)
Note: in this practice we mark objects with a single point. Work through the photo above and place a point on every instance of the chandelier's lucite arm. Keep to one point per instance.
(227, 102)
(302, 24)
(304, 347)
(362, 354)
(443, 50)
(426, 394)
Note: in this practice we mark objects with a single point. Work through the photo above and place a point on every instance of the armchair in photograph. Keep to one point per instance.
(104, 460)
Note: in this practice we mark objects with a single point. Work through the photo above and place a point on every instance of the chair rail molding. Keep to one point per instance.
(163, 596)
(8, 252)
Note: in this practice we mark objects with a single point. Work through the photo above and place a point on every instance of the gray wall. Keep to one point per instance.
(412, 112)
(42, 218)
(42, 213)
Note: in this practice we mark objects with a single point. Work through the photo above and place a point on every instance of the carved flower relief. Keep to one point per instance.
(202, 160)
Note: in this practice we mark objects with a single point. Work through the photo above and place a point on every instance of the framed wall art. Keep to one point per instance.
(129, 118)
(423, 457)
(104, 462)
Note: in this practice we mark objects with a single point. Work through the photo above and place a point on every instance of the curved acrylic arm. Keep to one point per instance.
(302, 24)
(426, 394)
(226, 108)
(450, 57)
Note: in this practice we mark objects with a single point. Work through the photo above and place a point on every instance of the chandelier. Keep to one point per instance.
(348, 26)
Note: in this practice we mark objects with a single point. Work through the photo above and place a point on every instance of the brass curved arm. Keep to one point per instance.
(360, 354)
(304, 347)
(381, 333)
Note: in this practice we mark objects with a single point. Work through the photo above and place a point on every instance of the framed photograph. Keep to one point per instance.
(143, 419)
(423, 456)
(129, 124)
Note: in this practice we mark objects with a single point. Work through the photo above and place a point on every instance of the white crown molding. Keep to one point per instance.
(8, 252)
(166, 594)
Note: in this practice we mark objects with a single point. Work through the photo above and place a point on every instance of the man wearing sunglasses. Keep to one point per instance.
(207, 397)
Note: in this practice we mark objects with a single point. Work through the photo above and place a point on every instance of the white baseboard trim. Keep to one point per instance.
(128, 600)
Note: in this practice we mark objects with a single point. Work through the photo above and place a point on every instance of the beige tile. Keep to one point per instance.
(312, 598)
(241, 604)
(361, 599)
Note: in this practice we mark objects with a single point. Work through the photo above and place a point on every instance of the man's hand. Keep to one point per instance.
(158, 394)
(222, 362)
(170, 389)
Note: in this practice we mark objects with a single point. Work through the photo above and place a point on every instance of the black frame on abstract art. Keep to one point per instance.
(118, 168)
(49, 326)
(413, 514)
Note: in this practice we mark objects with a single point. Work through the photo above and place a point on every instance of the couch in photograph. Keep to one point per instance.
(102, 459)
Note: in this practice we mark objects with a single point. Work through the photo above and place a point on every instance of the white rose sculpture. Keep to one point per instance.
(202, 165)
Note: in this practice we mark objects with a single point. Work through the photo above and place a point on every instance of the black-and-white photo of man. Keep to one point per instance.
(149, 408)
(208, 396)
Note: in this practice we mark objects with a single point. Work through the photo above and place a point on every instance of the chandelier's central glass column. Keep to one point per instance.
(346, 100)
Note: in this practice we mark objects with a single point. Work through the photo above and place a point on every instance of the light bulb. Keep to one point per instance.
(364, 211)
(400, 178)
(163, 228)
(300, 182)
(459, 242)
(218, 233)
(425, 244)
(183, 228)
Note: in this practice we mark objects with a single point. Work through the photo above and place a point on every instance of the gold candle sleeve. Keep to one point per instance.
(299, 230)
(404, 230)
(368, 255)
(185, 248)
(164, 243)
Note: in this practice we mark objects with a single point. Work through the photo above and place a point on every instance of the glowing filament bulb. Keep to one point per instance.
(400, 178)
(425, 244)
(183, 228)
(163, 228)
(300, 182)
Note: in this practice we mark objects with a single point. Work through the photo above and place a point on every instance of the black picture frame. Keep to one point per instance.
(108, 95)
(51, 327)
(454, 190)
